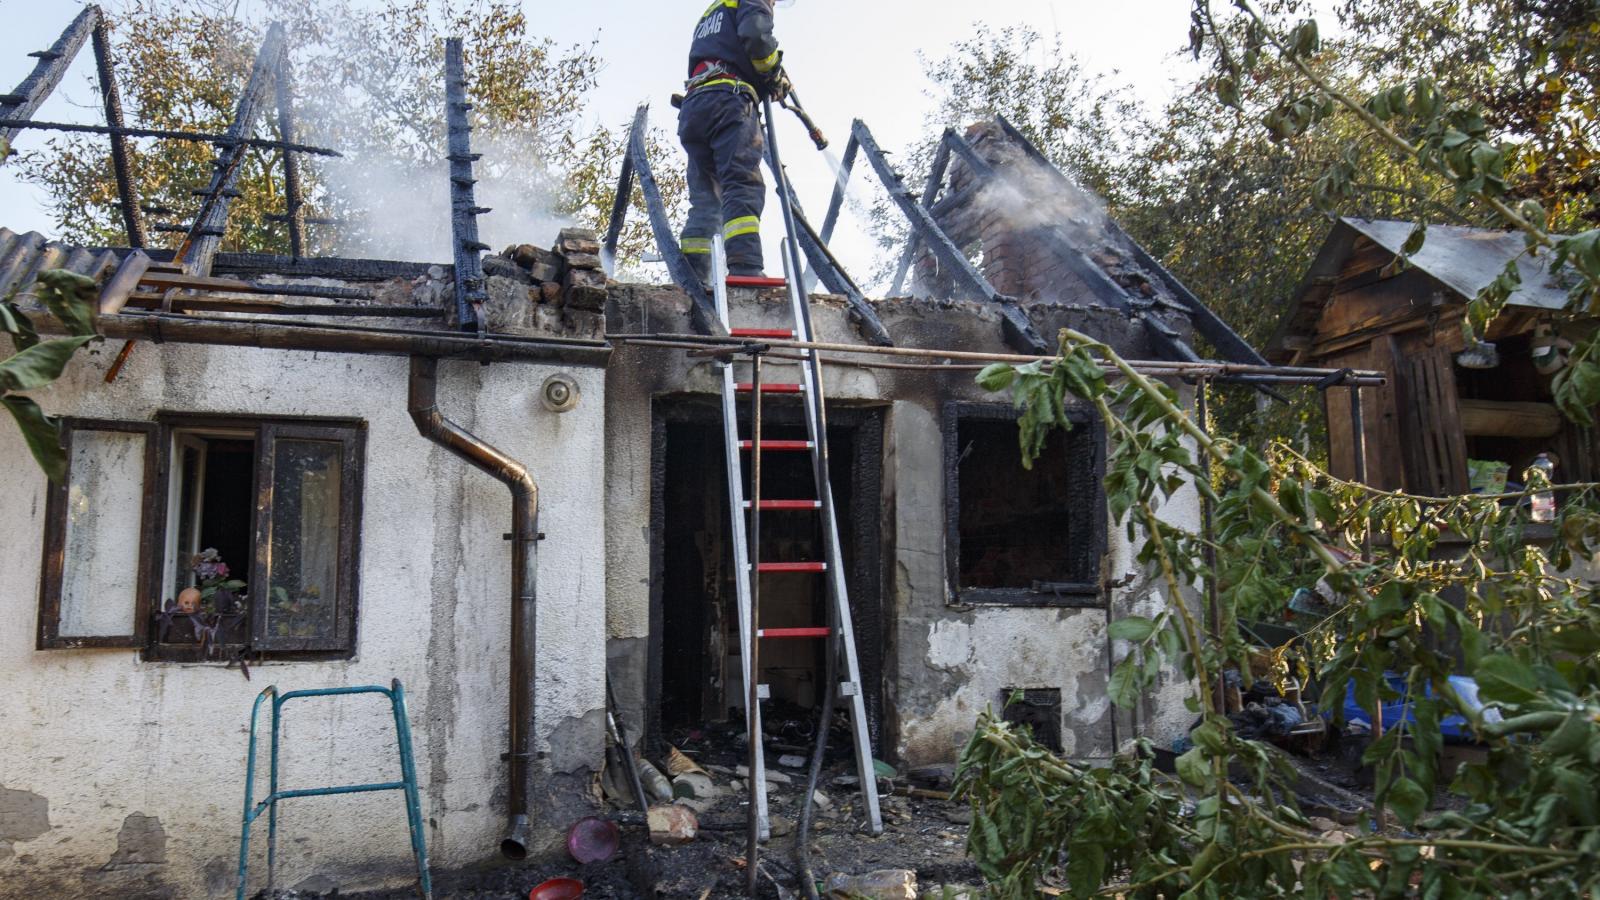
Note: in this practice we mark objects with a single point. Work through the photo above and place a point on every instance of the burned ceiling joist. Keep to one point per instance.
(46, 75)
(1019, 330)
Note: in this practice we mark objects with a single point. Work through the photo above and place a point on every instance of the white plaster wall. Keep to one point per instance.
(100, 735)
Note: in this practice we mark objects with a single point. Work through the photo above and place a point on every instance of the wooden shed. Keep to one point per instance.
(1362, 306)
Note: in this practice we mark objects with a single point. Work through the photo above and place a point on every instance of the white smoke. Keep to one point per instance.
(400, 209)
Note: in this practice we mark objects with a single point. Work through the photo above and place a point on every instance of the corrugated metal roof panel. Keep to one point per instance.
(24, 256)
(1468, 259)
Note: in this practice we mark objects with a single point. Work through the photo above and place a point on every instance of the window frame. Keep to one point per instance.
(152, 527)
(1080, 589)
(160, 433)
(351, 441)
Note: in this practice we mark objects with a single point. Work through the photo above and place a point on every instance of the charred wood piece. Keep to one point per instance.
(1018, 329)
(46, 75)
(203, 242)
(292, 200)
(466, 246)
(111, 99)
(701, 314)
(204, 137)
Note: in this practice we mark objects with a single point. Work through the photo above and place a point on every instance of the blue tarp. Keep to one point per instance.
(1453, 727)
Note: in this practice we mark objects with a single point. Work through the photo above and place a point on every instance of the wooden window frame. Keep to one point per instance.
(1079, 589)
(159, 434)
(151, 529)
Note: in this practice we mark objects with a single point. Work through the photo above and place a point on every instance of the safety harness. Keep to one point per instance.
(713, 72)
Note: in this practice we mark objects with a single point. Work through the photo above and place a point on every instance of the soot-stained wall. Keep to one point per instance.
(944, 662)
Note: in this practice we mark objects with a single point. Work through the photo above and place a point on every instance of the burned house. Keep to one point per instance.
(1448, 410)
(501, 481)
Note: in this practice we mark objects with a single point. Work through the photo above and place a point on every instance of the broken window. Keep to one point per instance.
(248, 544)
(1023, 536)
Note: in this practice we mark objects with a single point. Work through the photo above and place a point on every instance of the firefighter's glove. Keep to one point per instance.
(778, 85)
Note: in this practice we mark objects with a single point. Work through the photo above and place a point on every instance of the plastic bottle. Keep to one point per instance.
(1544, 502)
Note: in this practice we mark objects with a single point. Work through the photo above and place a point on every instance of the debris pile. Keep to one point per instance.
(561, 290)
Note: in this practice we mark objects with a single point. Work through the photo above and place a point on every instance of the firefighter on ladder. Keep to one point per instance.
(734, 62)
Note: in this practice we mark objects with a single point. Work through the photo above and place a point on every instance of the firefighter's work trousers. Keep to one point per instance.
(720, 128)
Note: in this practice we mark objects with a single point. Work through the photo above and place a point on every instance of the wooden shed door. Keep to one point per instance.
(1435, 450)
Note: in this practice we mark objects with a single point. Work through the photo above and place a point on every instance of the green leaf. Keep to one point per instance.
(71, 298)
(15, 323)
(1193, 767)
(40, 364)
(1086, 868)
(1407, 799)
(1134, 628)
(997, 377)
(42, 434)
(1506, 679)
(1124, 685)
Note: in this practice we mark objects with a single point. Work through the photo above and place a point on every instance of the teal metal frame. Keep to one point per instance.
(253, 810)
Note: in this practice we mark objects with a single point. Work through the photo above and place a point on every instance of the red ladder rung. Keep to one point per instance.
(790, 446)
(787, 504)
(745, 387)
(751, 281)
(778, 333)
(776, 567)
(791, 633)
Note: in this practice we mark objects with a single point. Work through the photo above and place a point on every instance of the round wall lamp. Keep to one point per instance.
(560, 393)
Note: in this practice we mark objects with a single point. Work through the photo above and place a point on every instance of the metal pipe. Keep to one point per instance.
(1159, 367)
(423, 404)
(342, 338)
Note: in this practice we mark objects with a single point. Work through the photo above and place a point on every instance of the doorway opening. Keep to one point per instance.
(694, 636)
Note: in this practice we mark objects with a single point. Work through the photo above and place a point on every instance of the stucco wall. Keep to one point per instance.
(943, 663)
(122, 775)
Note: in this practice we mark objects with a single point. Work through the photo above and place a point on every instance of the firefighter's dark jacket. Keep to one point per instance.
(739, 33)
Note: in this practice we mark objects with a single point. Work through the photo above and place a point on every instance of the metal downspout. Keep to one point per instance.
(424, 407)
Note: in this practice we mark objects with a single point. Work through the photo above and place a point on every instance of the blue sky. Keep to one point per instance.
(848, 58)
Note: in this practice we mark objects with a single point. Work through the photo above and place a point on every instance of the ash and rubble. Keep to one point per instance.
(921, 852)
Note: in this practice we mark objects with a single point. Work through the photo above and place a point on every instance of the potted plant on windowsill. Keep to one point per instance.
(213, 614)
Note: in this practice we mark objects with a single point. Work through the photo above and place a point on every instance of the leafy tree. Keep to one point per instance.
(369, 83)
(1526, 627)
(1520, 615)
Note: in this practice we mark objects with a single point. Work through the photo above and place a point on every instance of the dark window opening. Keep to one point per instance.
(214, 479)
(1039, 709)
(1019, 535)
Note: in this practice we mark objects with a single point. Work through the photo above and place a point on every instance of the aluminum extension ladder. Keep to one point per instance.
(839, 632)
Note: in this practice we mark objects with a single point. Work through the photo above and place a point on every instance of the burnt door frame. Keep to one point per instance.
(866, 580)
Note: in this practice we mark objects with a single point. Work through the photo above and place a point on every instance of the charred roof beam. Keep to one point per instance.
(464, 241)
(1166, 341)
(111, 99)
(1227, 341)
(47, 73)
(636, 164)
(1018, 328)
(204, 239)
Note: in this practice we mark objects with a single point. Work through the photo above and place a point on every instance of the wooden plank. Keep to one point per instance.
(1509, 418)
(1441, 445)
